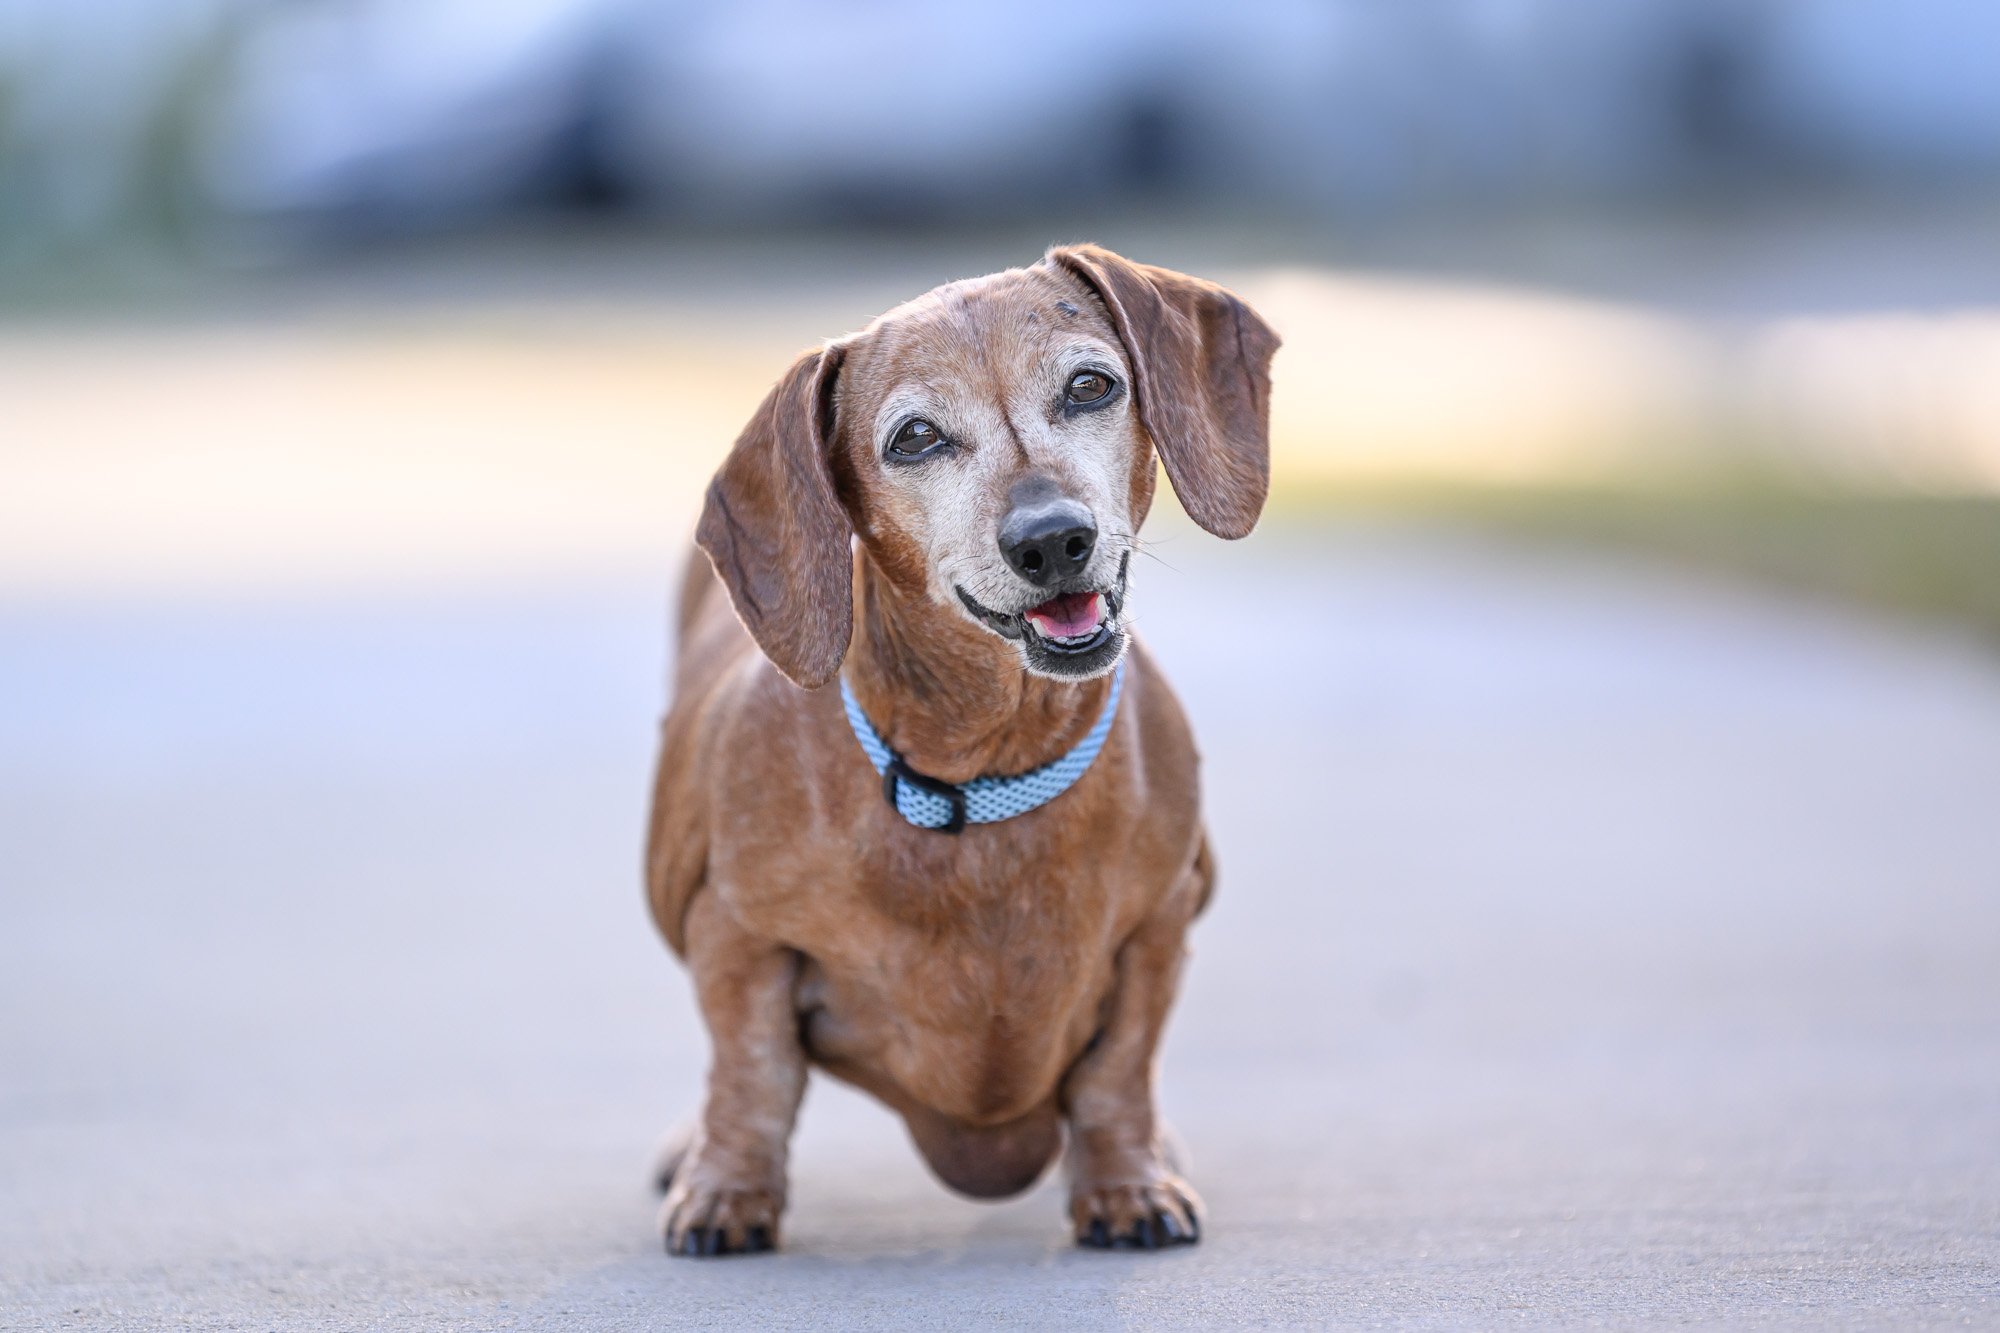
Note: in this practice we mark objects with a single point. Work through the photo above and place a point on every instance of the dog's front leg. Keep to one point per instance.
(728, 1189)
(1123, 1192)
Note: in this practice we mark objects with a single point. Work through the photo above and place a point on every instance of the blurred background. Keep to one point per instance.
(347, 259)
(1634, 541)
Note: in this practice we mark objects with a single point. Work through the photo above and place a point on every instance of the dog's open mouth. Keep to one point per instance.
(1071, 622)
(1072, 634)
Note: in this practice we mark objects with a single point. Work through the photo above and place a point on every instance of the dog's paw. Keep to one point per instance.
(1151, 1216)
(705, 1222)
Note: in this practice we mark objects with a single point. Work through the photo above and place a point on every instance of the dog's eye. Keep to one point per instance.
(1087, 387)
(914, 437)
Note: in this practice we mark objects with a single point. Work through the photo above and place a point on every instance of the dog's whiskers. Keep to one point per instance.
(1135, 544)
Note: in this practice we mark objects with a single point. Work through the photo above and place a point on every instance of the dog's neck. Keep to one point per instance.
(951, 698)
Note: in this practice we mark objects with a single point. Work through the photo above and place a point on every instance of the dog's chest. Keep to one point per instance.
(973, 989)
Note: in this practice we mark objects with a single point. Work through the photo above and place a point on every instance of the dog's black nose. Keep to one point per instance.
(1047, 536)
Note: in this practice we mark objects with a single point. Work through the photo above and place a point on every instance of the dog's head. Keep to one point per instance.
(991, 444)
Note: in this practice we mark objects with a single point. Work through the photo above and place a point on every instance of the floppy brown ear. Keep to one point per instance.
(1202, 362)
(776, 530)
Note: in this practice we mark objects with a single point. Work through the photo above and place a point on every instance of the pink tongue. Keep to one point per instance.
(1069, 616)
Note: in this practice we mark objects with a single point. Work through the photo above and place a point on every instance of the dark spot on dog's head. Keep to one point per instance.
(1066, 308)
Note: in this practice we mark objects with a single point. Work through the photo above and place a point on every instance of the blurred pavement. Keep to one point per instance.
(1594, 948)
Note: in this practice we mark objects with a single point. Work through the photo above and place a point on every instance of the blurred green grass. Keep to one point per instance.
(1928, 556)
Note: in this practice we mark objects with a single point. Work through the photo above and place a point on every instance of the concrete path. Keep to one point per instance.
(1593, 949)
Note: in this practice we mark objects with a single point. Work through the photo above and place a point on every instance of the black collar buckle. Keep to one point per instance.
(949, 791)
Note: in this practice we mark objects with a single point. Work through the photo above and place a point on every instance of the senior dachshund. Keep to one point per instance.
(961, 880)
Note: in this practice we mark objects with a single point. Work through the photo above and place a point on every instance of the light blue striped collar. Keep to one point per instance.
(948, 807)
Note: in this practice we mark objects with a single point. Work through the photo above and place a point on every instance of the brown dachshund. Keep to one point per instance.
(941, 510)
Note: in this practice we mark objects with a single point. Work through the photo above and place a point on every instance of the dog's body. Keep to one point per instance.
(993, 984)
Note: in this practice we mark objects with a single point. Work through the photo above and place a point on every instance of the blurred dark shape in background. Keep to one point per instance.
(332, 119)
